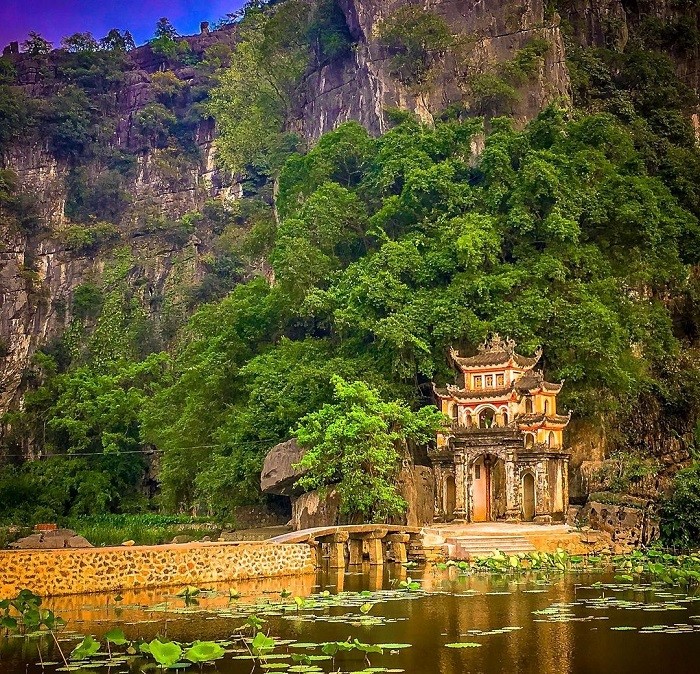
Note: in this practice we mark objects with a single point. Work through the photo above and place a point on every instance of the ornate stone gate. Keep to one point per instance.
(504, 451)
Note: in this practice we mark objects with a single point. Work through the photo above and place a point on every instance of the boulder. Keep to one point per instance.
(416, 485)
(178, 540)
(319, 508)
(627, 526)
(51, 540)
(278, 474)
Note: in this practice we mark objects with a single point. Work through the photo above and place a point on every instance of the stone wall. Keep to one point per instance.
(628, 527)
(62, 572)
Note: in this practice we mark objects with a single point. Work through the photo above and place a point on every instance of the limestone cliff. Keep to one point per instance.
(42, 266)
(362, 86)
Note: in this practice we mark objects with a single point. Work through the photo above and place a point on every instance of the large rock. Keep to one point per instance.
(416, 485)
(52, 540)
(320, 508)
(279, 474)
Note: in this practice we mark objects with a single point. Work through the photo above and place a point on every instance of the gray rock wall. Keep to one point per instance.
(362, 87)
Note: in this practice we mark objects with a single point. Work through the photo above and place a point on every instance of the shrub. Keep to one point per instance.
(87, 301)
(415, 39)
(680, 511)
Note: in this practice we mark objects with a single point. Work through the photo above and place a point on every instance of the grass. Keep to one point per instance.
(144, 529)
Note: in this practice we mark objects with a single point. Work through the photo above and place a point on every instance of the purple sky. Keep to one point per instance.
(55, 19)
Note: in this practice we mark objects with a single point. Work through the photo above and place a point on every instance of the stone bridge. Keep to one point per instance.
(353, 543)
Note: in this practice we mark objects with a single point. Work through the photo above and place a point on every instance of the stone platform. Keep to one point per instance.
(468, 541)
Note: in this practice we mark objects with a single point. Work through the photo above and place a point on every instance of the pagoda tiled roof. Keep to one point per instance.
(535, 380)
(537, 419)
(471, 394)
(496, 351)
(524, 384)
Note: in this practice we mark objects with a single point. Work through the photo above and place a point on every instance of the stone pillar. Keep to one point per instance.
(376, 551)
(398, 547)
(338, 575)
(543, 507)
(318, 553)
(376, 578)
(565, 483)
(512, 490)
(336, 546)
(460, 487)
(355, 548)
(439, 474)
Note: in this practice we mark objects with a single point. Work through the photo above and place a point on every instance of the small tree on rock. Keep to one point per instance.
(357, 443)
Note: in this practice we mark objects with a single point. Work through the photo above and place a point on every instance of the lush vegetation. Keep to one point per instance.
(388, 251)
(143, 529)
(340, 280)
(354, 444)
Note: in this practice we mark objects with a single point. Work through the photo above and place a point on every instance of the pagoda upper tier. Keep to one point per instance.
(499, 387)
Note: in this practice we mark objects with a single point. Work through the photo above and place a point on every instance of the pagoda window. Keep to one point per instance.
(478, 382)
(505, 418)
(489, 381)
(546, 406)
(487, 418)
(529, 439)
(551, 440)
(528, 405)
(455, 412)
(500, 381)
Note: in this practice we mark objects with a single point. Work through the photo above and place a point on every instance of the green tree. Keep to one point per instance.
(415, 39)
(36, 45)
(80, 42)
(256, 93)
(117, 41)
(356, 445)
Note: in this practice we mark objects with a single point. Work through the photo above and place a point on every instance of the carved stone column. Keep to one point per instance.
(460, 487)
(355, 551)
(543, 506)
(439, 474)
(398, 544)
(336, 548)
(512, 490)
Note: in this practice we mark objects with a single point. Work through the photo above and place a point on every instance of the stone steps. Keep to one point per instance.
(470, 547)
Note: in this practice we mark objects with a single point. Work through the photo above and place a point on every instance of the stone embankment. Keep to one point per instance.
(86, 570)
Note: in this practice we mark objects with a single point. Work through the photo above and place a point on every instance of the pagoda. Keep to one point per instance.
(503, 457)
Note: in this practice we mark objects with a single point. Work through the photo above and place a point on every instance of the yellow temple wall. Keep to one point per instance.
(85, 570)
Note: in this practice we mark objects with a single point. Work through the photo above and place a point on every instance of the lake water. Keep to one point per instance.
(561, 624)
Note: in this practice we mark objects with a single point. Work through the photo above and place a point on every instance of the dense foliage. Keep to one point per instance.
(368, 259)
(680, 511)
(356, 444)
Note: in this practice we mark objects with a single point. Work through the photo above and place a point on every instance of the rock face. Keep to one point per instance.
(51, 540)
(41, 268)
(315, 509)
(416, 485)
(278, 474)
(362, 87)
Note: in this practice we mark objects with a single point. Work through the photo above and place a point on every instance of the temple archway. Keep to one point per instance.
(488, 489)
(528, 497)
(528, 405)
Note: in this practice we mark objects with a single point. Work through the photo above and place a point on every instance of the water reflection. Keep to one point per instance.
(564, 627)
